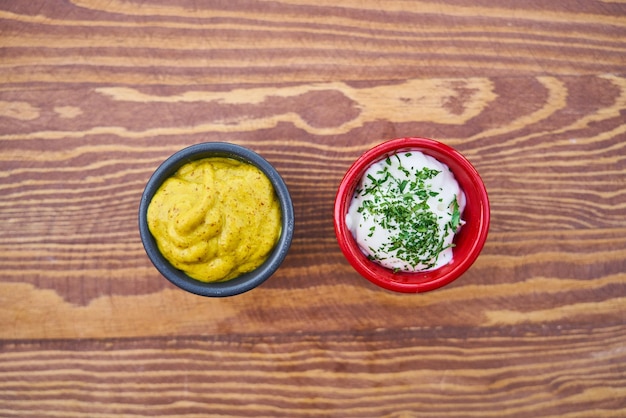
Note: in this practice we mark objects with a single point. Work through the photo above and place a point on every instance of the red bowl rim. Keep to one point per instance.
(401, 281)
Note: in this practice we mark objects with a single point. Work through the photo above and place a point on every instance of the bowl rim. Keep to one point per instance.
(246, 281)
(429, 280)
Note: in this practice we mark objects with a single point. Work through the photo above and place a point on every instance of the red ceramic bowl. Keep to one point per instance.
(468, 241)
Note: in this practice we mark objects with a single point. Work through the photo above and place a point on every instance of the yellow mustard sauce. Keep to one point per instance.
(215, 219)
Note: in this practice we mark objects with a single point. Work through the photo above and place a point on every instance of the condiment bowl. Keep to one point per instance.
(246, 281)
(468, 242)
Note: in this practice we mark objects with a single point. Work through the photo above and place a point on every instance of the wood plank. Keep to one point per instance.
(133, 43)
(413, 372)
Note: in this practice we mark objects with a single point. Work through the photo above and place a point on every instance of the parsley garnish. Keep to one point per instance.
(401, 206)
(456, 215)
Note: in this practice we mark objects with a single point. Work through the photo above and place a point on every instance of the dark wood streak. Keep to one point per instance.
(94, 95)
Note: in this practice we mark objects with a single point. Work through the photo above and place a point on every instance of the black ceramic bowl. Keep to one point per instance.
(246, 281)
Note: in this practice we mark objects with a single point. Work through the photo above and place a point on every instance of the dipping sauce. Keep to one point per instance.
(405, 212)
(215, 218)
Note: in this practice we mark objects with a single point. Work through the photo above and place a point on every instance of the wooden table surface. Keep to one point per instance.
(95, 94)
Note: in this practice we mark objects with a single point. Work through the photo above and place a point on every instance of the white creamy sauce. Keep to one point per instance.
(405, 212)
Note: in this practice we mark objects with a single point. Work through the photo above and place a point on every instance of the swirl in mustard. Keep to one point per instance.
(215, 219)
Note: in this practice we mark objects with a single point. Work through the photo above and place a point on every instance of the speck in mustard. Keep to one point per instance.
(215, 218)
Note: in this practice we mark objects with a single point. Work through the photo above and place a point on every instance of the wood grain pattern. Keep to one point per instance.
(95, 94)
(416, 372)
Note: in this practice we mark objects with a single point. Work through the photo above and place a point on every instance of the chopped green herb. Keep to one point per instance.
(456, 215)
(415, 238)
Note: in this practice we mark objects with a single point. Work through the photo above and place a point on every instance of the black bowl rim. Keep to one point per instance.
(246, 281)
